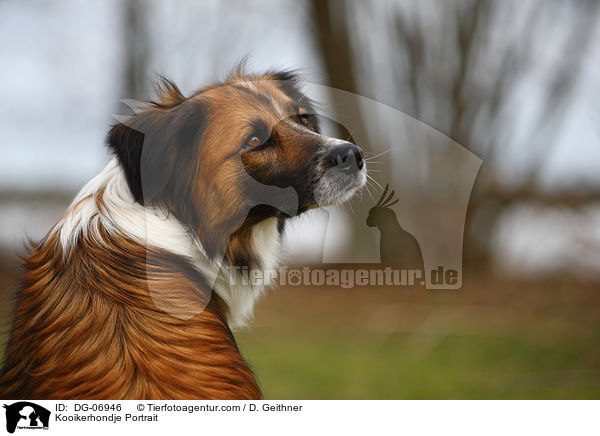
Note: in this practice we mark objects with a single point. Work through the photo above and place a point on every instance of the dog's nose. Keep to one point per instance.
(346, 155)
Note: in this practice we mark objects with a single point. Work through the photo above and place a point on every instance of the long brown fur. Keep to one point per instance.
(86, 327)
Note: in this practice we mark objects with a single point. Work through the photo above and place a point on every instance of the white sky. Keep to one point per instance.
(62, 60)
(61, 65)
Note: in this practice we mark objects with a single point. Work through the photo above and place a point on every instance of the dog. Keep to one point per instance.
(128, 295)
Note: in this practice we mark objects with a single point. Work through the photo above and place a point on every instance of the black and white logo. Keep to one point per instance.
(26, 415)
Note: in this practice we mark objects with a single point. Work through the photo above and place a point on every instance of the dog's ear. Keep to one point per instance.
(127, 143)
(153, 145)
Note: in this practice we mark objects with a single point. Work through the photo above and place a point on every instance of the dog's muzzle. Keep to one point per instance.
(347, 157)
(340, 172)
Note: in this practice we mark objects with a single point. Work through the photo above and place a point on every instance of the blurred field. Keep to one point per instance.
(493, 339)
(490, 340)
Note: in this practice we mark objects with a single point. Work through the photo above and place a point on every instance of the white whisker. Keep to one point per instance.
(369, 192)
(377, 155)
(350, 204)
(375, 181)
(351, 133)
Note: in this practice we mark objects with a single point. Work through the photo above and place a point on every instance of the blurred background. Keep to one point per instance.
(513, 82)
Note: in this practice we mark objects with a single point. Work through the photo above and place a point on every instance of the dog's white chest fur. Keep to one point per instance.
(154, 227)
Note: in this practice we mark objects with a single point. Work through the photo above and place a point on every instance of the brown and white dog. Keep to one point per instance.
(108, 304)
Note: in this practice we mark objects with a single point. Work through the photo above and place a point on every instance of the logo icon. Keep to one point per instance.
(396, 246)
(26, 415)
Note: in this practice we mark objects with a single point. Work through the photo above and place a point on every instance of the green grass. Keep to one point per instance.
(404, 367)
(490, 340)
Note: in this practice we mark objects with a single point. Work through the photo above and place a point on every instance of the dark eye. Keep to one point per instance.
(258, 136)
(254, 141)
(305, 121)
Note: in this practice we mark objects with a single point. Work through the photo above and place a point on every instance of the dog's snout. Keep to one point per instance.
(347, 155)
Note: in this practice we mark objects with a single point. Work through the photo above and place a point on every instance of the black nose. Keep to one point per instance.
(344, 156)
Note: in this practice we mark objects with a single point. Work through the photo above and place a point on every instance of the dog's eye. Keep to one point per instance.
(305, 121)
(258, 135)
(253, 141)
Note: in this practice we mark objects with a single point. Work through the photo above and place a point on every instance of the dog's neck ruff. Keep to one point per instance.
(106, 201)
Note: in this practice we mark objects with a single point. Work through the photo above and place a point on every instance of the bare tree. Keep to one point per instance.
(334, 45)
(136, 53)
(457, 65)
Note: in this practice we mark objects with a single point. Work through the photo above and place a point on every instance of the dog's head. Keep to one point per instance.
(207, 157)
